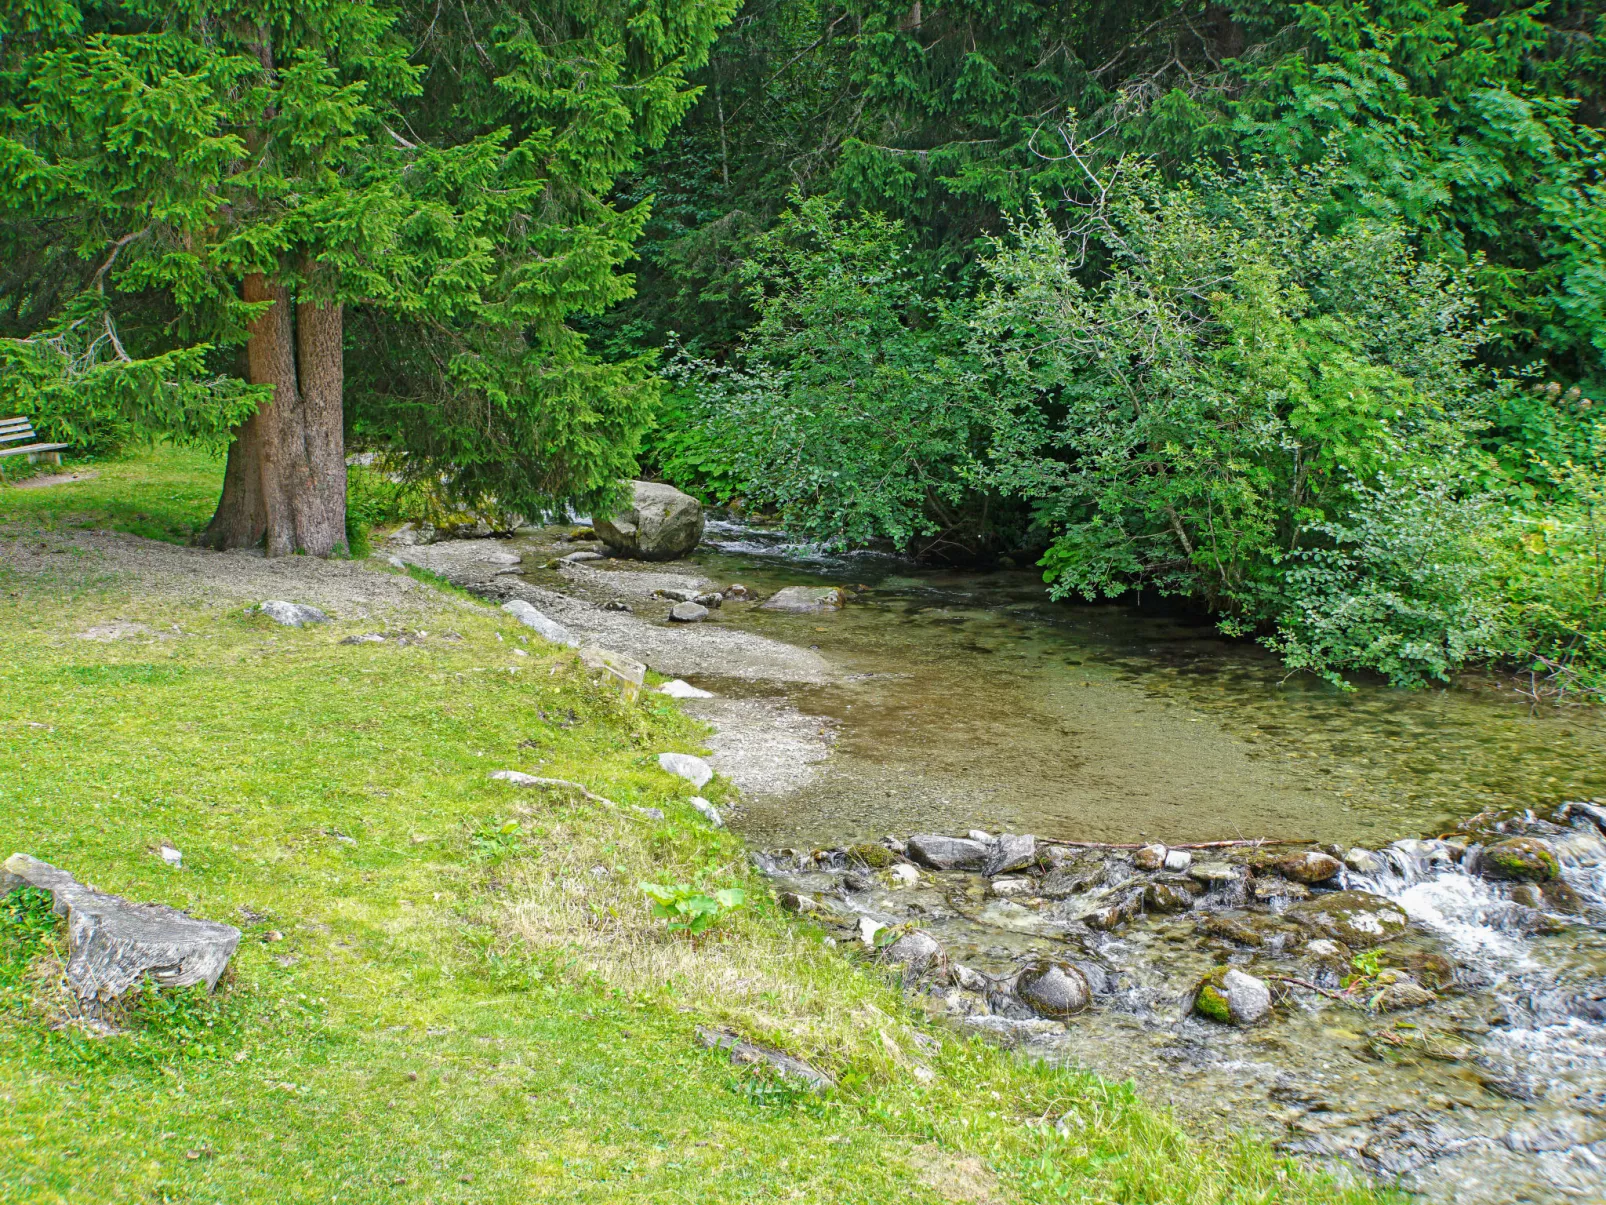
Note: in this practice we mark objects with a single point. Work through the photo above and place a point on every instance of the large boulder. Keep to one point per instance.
(661, 524)
(114, 944)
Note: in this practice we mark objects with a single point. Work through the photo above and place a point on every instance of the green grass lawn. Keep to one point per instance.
(162, 493)
(450, 990)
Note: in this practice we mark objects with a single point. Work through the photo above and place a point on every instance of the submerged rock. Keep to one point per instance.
(948, 853)
(1359, 919)
(1229, 997)
(806, 599)
(1053, 989)
(1403, 994)
(1363, 861)
(660, 524)
(1525, 859)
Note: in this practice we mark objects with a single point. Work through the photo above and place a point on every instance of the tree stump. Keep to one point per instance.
(114, 943)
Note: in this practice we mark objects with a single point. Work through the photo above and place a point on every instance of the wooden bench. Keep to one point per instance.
(20, 431)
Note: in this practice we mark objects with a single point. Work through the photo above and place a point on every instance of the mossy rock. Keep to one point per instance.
(1359, 919)
(1228, 996)
(1210, 1001)
(1525, 859)
(876, 857)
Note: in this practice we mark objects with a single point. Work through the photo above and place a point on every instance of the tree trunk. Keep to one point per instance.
(285, 483)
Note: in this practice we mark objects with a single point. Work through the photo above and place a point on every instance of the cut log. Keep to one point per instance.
(114, 943)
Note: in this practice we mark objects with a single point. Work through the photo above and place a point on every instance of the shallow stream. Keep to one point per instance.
(975, 701)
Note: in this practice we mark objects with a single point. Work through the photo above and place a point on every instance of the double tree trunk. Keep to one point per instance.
(285, 483)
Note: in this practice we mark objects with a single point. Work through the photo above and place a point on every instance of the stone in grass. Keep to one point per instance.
(693, 769)
(1526, 859)
(114, 944)
(688, 612)
(1053, 989)
(708, 811)
(1011, 852)
(292, 615)
(948, 853)
(684, 690)
(917, 951)
(624, 674)
(1229, 997)
(752, 1054)
(545, 627)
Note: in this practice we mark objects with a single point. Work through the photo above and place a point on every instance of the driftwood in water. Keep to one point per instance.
(114, 943)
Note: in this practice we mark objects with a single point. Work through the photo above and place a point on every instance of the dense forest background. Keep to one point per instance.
(1295, 310)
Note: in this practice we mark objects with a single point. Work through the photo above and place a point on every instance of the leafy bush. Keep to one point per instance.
(689, 909)
(1407, 587)
(1186, 421)
(848, 406)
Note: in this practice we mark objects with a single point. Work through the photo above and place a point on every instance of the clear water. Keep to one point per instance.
(972, 700)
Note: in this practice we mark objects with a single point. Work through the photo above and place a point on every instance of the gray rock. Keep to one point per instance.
(806, 599)
(575, 558)
(752, 1054)
(292, 615)
(1011, 852)
(650, 813)
(688, 612)
(1053, 989)
(1178, 860)
(917, 951)
(1068, 881)
(1403, 994)
(365, 638)
(115, 944)
(501, 558)
(661, 524)
(708, 811)
(1363, 861)
(1150, 857)
(684, 690)
(948, 853)
(712, 599)
(969, 979)
(693, 769)
(545, 627)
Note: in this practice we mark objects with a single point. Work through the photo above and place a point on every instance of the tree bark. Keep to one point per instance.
(285, 483)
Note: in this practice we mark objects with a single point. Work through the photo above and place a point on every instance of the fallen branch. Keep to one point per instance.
(1305, 983)
(530, 780)
(1255, 841)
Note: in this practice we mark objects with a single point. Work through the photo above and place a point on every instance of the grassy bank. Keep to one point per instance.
(451, 990)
